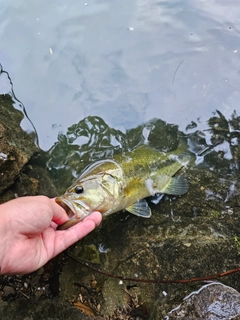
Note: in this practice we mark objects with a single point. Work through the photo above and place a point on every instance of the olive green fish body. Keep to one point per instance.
(121, 183)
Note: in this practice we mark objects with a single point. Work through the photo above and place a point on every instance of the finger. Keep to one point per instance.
(95, 216)
(65, 238)
(30, 214)
(71, 222)
(59, 214)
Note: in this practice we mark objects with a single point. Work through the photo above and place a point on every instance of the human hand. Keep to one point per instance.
(28, 235)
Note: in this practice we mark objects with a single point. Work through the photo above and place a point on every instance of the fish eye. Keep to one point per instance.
(79, 189)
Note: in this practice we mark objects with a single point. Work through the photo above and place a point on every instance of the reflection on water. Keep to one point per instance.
(225, 136)
(89, 140)
(92, 139)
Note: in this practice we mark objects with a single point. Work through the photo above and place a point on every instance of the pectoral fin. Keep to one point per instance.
(140, 208)
(177, 186)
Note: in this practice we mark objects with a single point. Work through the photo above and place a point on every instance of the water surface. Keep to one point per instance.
(124, 61)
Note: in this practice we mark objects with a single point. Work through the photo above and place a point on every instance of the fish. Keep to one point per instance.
(123, 182)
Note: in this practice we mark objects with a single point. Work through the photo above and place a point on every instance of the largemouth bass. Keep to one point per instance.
(112, 185)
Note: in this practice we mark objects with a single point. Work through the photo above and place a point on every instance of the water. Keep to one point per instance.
(124, 61)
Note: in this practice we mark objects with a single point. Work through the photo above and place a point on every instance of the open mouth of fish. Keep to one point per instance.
(76, 211)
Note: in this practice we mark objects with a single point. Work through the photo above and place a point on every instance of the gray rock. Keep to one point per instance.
(213, 301)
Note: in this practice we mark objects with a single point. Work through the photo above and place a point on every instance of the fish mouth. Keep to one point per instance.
(66, 207)
(76, 211)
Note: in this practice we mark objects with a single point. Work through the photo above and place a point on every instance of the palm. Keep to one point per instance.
(30, 233)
